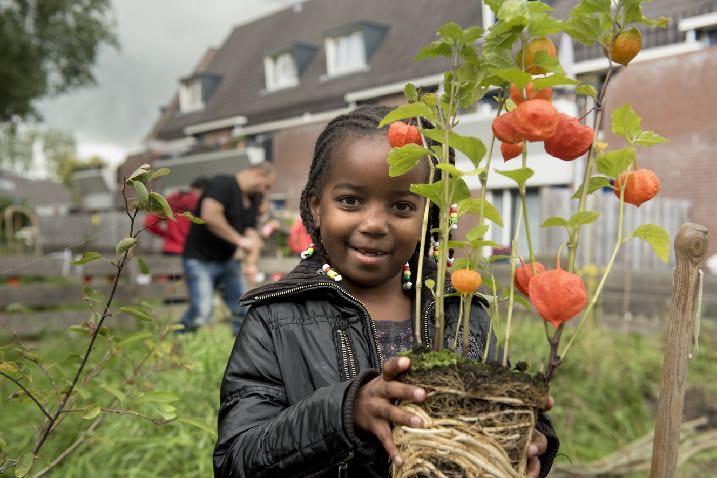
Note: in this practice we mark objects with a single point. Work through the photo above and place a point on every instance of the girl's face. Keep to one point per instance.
(370, 223)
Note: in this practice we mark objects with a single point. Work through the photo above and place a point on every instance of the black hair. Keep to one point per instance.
(199, 182)
(361, 122)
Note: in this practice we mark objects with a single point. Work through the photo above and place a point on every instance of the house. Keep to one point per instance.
(44, 197)
(267, 92)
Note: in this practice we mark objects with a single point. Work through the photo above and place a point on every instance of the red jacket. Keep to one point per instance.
(174, 232)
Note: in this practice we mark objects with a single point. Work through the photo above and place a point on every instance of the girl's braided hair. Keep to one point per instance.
(362, 122)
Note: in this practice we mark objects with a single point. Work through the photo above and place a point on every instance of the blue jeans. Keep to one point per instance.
(202, 278)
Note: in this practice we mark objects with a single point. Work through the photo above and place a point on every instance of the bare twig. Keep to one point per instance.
(28, 393)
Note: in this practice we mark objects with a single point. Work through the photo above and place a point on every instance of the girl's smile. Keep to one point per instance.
(369, 223)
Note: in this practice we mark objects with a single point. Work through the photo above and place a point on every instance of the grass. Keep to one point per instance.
(604, 394)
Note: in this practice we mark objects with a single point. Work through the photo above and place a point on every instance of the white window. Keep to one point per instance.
(190, 96)
(280, 71)
(345, 54)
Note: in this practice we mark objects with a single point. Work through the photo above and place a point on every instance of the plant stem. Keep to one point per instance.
(467, 325)
(28, 393)
(618, 242)
(458, 325)
(422, 250)
(511, 294)
(484, 179)
(523, 193)
(587, 174)
(495, 317)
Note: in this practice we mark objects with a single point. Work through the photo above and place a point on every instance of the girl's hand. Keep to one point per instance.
(374, 410)
(537, 447)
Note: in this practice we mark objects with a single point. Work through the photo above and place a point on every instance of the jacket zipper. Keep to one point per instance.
(349, 361)
(372, 326)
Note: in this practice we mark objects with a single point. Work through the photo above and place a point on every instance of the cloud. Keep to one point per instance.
(161, 40)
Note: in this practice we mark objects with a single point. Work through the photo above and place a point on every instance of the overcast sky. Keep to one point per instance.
(161, 40)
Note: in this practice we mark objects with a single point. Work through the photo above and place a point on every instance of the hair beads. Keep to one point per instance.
(332, 274)
(308, 252)
(407, 284)
(453, 216)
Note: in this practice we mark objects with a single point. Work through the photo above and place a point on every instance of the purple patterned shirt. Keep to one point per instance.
(394, 337)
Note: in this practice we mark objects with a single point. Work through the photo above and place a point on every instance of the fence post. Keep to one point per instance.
(690, 249)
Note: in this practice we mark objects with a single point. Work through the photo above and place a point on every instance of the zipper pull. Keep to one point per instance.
(343, 470)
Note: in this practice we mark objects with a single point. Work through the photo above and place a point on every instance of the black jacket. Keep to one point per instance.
(287, 398)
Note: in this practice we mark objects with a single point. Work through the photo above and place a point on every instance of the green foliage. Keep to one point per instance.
(402, 160)
(87, 257)
(431, 359)
(408, 110)
(596, 183)
(657, 237)
(520, 176)
(49, 48)
(473, 206)
(125, 245)
(434, 191)
(468, 145)
(613, 163)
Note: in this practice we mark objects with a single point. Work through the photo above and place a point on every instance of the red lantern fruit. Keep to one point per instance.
(510, 151)
(536, 120)
(401, 134)
(571, 139)
(516, 94)
(504, 130)
(558, 295)
(640, 186)
(524, 274)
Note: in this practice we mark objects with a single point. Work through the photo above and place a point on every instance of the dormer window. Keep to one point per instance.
(280, 71)
(345, 54)
(349, 47)
(190, 96)
(194, 91)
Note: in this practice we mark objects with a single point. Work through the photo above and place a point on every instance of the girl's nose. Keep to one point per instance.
(374, 222)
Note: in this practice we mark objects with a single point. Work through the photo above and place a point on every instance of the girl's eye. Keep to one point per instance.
(404, 207)
(349, 201)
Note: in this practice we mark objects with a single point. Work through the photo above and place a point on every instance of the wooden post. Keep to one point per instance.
(690, 248)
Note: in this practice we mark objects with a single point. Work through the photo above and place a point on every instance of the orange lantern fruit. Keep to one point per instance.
(626, 46)
(640, 186)
(524, 274)
(504, 130)
(536, 120)
(510, 151)
(571, 139)
(401, 134)
(558, 295)
(466, 281)
(527, 61)
(516, 94)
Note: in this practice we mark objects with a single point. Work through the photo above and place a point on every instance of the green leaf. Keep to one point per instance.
(473, 206)
(8, 367)
(458, 244)
(472, 34)
(193, 218)
(586, 89)
(142, 170)
(114, 391)
(158, 397)
(553, 80)
(430, 283)
(202, 426)
(542, 25)
(402, 160)
(626, 123)
(613, 163)
(657, 237)
(596, 183)
(167, 411)
(136, 337)
(88, 293)
(161, 205)
(583, 217)
(434, 191)
(477, 232)
(548, 63)
(410, 92)
(434, 49)
(468, 145)
(457, 173)
(520, 176)
(408, 110)
(23, 464)
(451, 31)
(556, 221)
(522, 301)
(158, 173)
(79, 329)
(141, 191)
(648, 138)
(87, 257)
(92, 412)
(143, 268)
(125, 244)
(137, 312)
(515, 76)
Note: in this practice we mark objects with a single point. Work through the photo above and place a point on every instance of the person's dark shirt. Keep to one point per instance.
(205, 245)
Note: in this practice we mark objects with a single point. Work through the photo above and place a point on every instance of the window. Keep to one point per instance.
(345, 54)
(190, 96)
(280, 71)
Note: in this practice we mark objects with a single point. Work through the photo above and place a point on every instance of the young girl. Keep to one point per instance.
(309, 389)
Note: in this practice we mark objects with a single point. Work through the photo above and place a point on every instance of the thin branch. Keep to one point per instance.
(28, 393)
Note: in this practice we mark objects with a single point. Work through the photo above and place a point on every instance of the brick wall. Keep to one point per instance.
(676, 97)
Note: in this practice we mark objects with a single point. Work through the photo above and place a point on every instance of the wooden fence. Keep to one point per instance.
(597, 239)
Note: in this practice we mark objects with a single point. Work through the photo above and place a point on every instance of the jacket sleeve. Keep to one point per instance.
(260, 433)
